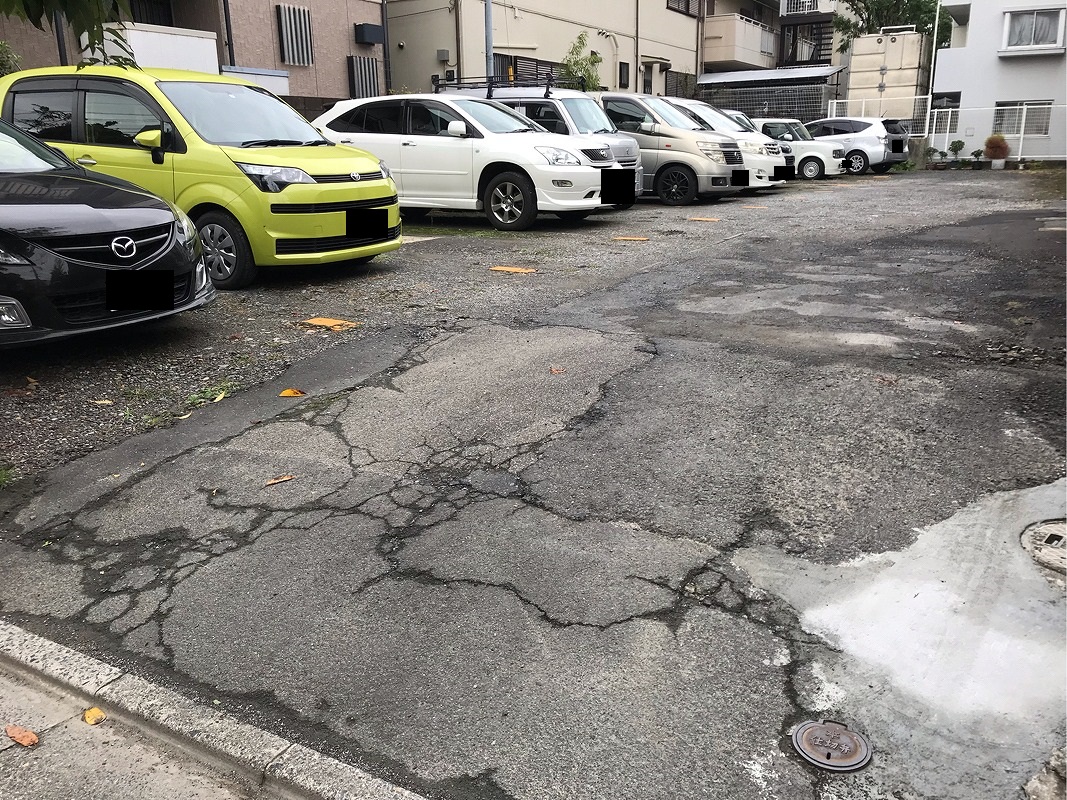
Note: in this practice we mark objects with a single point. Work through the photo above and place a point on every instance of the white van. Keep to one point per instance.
(682, 159)
(815, 159)
(559, 110)
(763, 156)
(467, 153)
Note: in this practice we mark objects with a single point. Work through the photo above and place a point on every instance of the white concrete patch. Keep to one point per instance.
(827, 694)
(415, 239)
(761, 770)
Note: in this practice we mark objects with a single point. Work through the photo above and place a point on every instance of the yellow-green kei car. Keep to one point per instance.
(262, 185)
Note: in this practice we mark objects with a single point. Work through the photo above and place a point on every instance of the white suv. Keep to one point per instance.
(868, 141)
(472, 154)
(815, 159)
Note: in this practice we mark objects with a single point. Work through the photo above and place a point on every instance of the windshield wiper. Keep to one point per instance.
(522, 130)
(316, 142)
(604, 130)
(271, 142)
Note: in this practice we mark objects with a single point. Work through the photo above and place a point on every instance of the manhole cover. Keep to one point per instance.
(831, 745)
(1047, 543)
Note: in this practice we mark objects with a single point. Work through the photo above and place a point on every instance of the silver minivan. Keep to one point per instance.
(682, 159)
(560, 110)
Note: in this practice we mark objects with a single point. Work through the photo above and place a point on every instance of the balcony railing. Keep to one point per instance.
(808, 7)
(731, 38)
(162, 46)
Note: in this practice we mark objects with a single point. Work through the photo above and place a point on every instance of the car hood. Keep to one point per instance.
(71, 203)
(321, 160)
(560, 140)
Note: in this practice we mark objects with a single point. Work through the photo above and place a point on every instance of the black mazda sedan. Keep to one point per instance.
(80, 251)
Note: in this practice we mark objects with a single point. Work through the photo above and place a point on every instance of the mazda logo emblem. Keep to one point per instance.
(124, 247)
(356, 176)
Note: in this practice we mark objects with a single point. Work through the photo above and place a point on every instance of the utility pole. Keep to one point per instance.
(488, 38)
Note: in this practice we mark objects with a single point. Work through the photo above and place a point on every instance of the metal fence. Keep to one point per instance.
(913, 108)
(795, 102)
(1035, 131)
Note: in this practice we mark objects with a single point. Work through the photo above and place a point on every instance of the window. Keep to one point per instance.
(776, 130)
(430, 119)
(546, 115)
(690, 7)
(646, 80)
(116, 118)
(349, 122)
(1008, 117)
(382, 118)
(1033, 29)
(47, 115)
(627, 116)
(946, 120)
(624, 75)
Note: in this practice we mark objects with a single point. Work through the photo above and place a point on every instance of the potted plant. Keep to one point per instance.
(942, 164)
(977, 162)
(956, 148)
(996, 150)
(928, 156)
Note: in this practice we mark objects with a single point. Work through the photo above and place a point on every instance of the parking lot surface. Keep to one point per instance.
(608, 526)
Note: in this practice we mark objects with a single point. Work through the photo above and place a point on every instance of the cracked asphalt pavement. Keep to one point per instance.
(613, 528)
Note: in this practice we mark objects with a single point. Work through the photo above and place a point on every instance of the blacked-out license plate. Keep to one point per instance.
(140, 290)
(617, 186)
(367, 223)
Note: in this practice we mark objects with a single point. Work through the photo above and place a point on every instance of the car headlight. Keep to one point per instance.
(558, 157)
(755, 148)
(274, 179)
(8, 257)
(201, 281)
(786, 149)
(187, 233)
(385, 170)
(713, 151)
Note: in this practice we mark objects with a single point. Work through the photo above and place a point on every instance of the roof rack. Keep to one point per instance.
(490, 83)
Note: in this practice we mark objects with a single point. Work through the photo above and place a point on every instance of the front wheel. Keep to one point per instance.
(811, 168)
(676, 186)
(227, 254)
(856, 162)
(510, 202)
(881, 169)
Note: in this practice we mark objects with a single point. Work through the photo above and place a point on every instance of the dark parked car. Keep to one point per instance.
(80, 251)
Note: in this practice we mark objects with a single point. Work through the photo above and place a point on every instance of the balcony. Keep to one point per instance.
(733, 42)
(164, 46)
(808, 7)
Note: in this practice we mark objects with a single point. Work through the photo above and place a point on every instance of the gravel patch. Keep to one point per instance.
(62, 400)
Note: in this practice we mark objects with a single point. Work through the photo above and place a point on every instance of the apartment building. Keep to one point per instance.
(1004, 72)
(646, 45)
(311, 52)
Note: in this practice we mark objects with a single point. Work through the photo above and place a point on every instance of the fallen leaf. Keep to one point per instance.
(103, 402)
(704, 219)
(557, 370)
(236, 337)
(93, 716)
(218, 397)
(186, 416)
(290, 393)
(31, 381)
(516, 270)
(279, 479)
(332, 324)
(631, 238)
(20, 735)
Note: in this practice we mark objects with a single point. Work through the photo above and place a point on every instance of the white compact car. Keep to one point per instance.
(456, 152)
(814, 159)
(762, 154)
(868, 141)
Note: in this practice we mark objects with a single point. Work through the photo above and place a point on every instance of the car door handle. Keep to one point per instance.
(86, 161)
(407, 144)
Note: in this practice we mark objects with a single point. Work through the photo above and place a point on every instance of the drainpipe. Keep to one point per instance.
(702, 12)
(488, 39)
(386, 64)
(459, 39)
(638, 72)
(60, 27)
(229, 32)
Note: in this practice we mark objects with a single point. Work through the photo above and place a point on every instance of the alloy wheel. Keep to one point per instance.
(507, 203)
(675, 185)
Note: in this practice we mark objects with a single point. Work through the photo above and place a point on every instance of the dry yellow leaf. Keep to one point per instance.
(103, 402)
(332, 324)
(93, 716)
(704, 219)
(279, 479)
(631, 238)
(290, 393)
(557, 370)
(186, 416)
(218, 397)
(516, 270)
(30, 380)
(20, 735)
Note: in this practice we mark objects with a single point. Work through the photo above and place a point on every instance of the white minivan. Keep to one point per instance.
(815, 159)
(468, 153)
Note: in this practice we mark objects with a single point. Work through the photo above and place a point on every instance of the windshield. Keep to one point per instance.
(20, 152)
(672, 116)
(715, 119)
(239, 116)
(588, 116)
(800, 132)
(742, 119)
(497, 118)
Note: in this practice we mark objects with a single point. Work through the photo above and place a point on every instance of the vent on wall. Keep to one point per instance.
(294, 33)
(362, 76)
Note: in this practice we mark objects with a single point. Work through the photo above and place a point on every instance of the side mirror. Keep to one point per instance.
(150, 139)
(647, 127)
(786, 137)
(457, 128)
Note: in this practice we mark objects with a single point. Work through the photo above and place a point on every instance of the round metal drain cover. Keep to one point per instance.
(1047, 543)
(831, 745)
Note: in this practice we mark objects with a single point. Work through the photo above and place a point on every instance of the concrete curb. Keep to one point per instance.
(278, 766)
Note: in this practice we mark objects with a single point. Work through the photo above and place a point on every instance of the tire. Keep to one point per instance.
(811, 169)
(415, 214)
(510, 202)
(573, 216)
(227, 253)
(857, 162)
(881, 169)
(676, 185)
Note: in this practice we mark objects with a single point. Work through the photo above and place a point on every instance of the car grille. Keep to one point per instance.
(772, 148)
(86, 308)
(96, 248)
(601, 154)
(628, 161)
(328, 244)
(325, 208)
(732, 154)
(347, 177)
